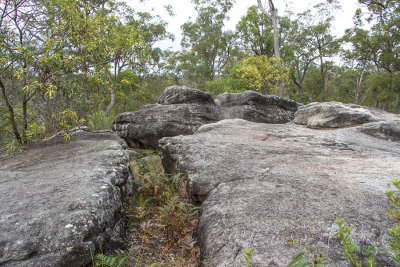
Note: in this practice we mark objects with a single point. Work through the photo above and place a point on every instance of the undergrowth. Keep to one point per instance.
(162, 222)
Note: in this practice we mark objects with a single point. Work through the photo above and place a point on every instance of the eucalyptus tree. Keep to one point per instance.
(272, 15)
(316, 39)
(255, 33)
(206, 45)
(380, 45)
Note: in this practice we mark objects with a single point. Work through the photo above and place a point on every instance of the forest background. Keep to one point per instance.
(68, 63)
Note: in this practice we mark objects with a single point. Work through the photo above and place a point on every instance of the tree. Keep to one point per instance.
(254, 32)
(258, 73)
(316, 36)
(206, 45)
(303, 56)
(60, 55)
(379, 46)
(272, 15)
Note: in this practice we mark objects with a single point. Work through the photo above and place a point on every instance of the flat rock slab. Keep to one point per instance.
(261, 185)
(62, 202)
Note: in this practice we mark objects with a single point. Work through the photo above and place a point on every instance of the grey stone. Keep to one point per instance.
(382, 129)
(384, 115)
(260, 185)
(184, 95)
(146, 126)
(62, 202)
(253, 106)
(333, 115)
(182, 110)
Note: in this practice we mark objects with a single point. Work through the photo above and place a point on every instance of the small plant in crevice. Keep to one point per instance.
(352, 251)
(247, 254)
(101, 260)
(310, 256)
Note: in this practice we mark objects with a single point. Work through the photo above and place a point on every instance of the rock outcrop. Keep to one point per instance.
(184, 95)
(63, 202)
(182, 110)
(382, 130)
(332, 115)
(253, 106)
(262, 185)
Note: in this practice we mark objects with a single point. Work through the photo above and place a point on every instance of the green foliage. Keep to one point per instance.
(352, 251)
(13, 147)
(309, 258)
(394, 199)
(255, 32)
(247, 254)
(102, 260)
(207, 46)
(258, 73)
(68, 120)
(99, 120)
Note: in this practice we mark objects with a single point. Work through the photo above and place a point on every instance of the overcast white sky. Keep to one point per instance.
(183, 9)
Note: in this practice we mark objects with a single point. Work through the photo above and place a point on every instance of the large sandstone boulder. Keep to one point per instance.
(146, 126)
(260, 185)
(253, 106)
(182, 110)
(332, 115)
(184, 95)
(61, 203)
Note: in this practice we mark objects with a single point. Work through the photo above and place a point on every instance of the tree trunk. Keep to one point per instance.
(11, 112)
(25, 118)
(277, 53)
(112, 103)
(357, 93)
(301, 94)
(322, 78)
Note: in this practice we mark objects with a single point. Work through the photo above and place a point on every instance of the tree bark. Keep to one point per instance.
(358, 87)
(25, 118)
(112, 103)
(322, 77)
(11, 112)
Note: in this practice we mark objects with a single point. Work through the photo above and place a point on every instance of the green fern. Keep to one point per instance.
(109, 261)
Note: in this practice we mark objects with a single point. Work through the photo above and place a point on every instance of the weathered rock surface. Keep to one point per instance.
(333, 115)
(253, 106)
(184, 95)
(263, 184)
(182, 110)
(146, 126)
(382, 129)
(63, 202)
